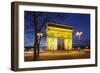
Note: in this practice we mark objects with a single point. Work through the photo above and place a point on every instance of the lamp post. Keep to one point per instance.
(39, 34)
(78, 34)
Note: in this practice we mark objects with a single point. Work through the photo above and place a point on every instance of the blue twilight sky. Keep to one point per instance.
(79, 22)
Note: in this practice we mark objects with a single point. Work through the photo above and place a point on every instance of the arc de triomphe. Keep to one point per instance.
(59, 36)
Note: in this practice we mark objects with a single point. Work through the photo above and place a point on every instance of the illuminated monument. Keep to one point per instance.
(59, 36)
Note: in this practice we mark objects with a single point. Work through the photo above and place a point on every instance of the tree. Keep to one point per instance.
(39, 23)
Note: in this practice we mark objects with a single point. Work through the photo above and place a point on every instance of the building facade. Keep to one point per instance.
(59, 36)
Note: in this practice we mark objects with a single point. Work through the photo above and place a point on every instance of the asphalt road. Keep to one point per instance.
(58, 55)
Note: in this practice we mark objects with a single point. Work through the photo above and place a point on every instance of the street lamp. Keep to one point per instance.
(39, 35)
(78, 34)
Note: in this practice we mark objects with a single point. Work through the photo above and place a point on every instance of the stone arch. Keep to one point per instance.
(55, 31)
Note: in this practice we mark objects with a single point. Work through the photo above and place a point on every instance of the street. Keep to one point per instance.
(58, 55)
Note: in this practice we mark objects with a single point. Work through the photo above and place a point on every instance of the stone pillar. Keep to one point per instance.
(68, 44)
(51, 43)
